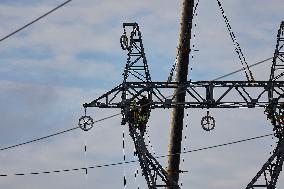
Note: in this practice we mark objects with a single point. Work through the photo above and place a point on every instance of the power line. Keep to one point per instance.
(32, 22)
(133, 161)
(38, 139)
(114, 115)
(260, 62)
(216, 146)
(55, 134)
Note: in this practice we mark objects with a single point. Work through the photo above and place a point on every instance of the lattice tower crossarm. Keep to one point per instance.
(201, 94)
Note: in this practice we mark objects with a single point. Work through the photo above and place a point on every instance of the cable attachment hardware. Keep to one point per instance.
(208, 122)
(124, 41)
(86, 122)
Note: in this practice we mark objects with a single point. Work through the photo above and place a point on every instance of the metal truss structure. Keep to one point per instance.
(277, 69)
(200, 94)
(268, 175)
(136, 69)
(136, 66)
(151, 168)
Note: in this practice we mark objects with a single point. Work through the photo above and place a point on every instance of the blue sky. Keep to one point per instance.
(50, 69)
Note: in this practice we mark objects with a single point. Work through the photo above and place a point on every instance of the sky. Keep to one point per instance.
(72, 56)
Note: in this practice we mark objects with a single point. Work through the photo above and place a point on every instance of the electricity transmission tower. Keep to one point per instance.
(137, 85)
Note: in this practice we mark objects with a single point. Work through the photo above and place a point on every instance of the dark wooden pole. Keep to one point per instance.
(181, 76)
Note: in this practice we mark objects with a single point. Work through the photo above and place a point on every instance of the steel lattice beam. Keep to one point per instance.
(201, 94)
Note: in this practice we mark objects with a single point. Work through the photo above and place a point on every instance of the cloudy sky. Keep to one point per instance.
(48, 70)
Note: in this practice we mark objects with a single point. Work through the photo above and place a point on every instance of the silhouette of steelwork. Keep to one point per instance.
(201, 94)
(123, 97)
(277, 68)
(268, 175)
(136, 67)
(151, 168)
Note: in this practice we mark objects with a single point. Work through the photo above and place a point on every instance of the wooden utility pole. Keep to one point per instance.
(180, 93)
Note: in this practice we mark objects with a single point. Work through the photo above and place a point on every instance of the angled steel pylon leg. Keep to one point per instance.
(151, 168)
(270, 170)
